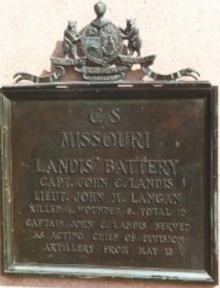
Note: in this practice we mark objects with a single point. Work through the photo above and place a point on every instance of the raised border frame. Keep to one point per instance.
(210, 275)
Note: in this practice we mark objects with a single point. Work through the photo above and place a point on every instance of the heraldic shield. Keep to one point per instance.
(102, 44)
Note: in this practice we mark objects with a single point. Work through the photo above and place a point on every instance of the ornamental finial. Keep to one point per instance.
(100, 9)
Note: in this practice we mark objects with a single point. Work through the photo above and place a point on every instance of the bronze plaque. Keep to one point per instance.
(109, 181)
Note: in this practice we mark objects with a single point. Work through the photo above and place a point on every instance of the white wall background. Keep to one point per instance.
(181, 33)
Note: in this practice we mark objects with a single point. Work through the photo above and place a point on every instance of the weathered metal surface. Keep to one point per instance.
(97, 52)
(106, 181)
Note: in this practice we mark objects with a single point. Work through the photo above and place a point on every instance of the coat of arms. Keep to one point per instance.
(103, 52)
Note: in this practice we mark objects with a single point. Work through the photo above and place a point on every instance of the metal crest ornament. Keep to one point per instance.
(101, 44)
(103, 52)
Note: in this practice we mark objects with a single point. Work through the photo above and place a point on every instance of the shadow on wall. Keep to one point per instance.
(72, 75)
